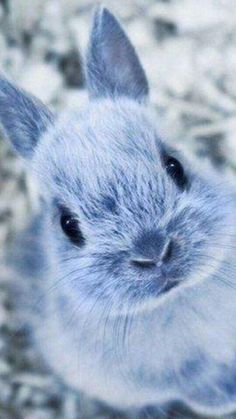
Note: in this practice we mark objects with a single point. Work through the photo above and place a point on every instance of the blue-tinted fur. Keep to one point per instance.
(23, 117)
(110, 328)
(113, 66)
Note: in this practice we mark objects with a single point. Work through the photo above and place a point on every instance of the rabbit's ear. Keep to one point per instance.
(23, 117)
(113, 67)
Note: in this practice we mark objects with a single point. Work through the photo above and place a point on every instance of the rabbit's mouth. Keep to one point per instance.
(157, 290)
(169, 286)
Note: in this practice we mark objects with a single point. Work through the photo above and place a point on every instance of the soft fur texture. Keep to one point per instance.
(103, 324)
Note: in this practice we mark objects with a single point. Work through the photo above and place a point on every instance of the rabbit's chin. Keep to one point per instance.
(171, 289)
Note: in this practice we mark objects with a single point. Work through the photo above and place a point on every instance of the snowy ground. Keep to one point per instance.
(188, 48)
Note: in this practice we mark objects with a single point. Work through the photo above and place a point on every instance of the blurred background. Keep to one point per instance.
(188, 49)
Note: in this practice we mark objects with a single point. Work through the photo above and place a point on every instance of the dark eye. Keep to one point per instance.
(175, 169)
(70, 226)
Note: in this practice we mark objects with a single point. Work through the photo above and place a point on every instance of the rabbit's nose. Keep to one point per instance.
(167, 251)
(143, 263)
(152, 249)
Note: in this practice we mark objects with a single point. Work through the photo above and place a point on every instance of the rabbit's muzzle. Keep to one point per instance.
(156, 254)
(152, 249)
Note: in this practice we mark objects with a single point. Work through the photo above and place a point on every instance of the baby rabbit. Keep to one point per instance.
(133, 298)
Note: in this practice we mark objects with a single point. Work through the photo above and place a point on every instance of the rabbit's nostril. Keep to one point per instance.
(168, 251)
(143, 263)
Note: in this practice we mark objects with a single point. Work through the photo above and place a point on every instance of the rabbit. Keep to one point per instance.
(131, 293)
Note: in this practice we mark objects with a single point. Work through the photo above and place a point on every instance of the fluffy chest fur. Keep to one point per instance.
(183, 349)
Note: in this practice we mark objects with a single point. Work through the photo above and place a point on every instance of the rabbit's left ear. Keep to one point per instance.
(23, 117)
(113, 68)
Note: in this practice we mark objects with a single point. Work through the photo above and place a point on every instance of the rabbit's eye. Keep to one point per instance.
(70, 226)
(175, 169)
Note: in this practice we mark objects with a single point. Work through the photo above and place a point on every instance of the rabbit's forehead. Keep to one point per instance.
(100, 176)
(108, 173)
(114, 128)
(101, 139)
(107, 149)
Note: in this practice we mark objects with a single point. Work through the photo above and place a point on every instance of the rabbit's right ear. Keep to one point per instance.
(113, 68)
(23, 117)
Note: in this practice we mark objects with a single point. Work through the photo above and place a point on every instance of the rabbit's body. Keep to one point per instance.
(173, 351)
(135, 301)
(182, 350)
